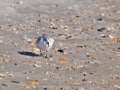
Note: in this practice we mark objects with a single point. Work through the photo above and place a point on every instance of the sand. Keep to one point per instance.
(86, 52)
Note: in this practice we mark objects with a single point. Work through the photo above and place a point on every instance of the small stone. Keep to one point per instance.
(61, 88)
(99, 19)
(102, 14)
(78, 15)
(1, 41)
(0, 27)
(15, 64)
(101, 29)
(84, 74)
(72, 60)
(103, 36)
(31, 42)
(45, 89)
(91, 73)
(4, 85)
(84, 79)
(15, 81)
(2, 75)
(39, 20)
(88, 55)
(111, 36)
(63, 60)
(3, 58)
(11, 75)
(53, 26)
(68, 37)
(61, 50)
(117, 86)
(35, 50)
(79, 46)
(20, 2)
(57, 67)
(33, 83)
(36, 65)
(51, 56)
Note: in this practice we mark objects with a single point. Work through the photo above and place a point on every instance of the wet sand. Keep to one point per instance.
(86, 52)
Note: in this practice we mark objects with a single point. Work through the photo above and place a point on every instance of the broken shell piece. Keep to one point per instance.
(36, 65)
(32, 83)
(111, 36)
(2, 76)
(20, 2)
(78, 15)
(1, 41)
(64, 60)
(35, 50)
(117, 86)
(3, 58)
(53, 26)
(31, 42)
(67, 37)
(115, 40)
(79, 46)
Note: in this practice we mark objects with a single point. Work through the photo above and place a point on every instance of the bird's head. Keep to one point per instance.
(51, 40)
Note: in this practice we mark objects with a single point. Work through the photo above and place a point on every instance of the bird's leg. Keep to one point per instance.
(41, 54)
(46, 54)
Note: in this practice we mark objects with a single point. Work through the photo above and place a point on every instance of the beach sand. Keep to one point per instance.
(86, 52)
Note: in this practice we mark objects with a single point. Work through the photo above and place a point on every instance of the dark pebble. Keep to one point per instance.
(84, 74)
(88, 55)
(72, 60)
(4, 85)
(68, 37)
(15, 81)
(84, 79)
(15, 64)
(91, 73)
(61, 88)
(99, 19)
(76, 89)
(51, 56)
(101, 29)
(57, 67)
(45, 89)
(61, 50)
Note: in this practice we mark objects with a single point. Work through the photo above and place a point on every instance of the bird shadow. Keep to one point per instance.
(28, 53)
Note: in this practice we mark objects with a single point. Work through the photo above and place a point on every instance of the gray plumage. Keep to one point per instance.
(44, 43)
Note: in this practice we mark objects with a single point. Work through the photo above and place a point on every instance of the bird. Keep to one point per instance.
(44, 43)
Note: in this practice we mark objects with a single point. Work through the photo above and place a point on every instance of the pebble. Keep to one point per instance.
(45, 89)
